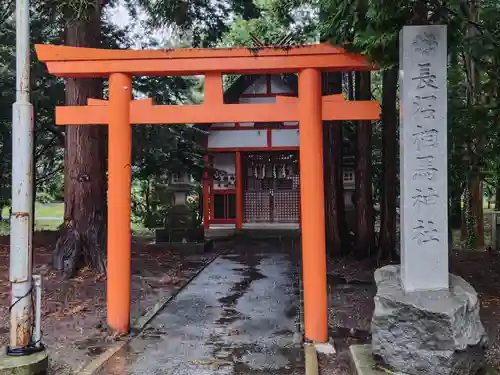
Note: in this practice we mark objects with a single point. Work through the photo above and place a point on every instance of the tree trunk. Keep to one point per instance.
(387, 242)
(476, 190)
(463, 215)
(497, 196)
(82, 236)
(350, 86)
(473, 213)
(455, 208)
(333, 175)
(364, 201)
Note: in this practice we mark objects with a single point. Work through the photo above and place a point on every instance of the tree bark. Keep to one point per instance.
(333, 174)
(455, 208)
(497, 196)
(82, 236)
(476, 190)
(387, 242)
(350, 86)
(364, 202)
(463, 216)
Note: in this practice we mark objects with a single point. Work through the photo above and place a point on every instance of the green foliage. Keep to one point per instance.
(201, 21)
(269, 28)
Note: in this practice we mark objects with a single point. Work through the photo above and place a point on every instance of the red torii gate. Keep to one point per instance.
(310, 109)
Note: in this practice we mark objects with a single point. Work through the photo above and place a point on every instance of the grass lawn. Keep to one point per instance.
(43, 210)
(55, 210)
(53, 225)
(49, 210)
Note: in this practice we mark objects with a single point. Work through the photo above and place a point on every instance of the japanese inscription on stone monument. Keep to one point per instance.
(424, 216)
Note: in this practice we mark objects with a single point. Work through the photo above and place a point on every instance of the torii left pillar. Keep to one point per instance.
(312, 206)
(119, 202)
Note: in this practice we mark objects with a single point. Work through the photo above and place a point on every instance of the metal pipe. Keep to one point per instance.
(22, 188)
(37, 332)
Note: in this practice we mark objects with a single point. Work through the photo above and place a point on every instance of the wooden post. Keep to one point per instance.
(239, 192)
(119, 202)
(312, 206)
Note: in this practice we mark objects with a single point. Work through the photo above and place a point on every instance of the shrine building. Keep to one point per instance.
(252, 175)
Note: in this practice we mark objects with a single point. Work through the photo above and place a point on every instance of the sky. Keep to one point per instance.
(120, 16)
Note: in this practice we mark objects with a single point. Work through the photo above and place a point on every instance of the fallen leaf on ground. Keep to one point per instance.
(77, 309)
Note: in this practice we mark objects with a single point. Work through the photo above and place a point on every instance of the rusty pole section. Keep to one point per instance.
(22, 189)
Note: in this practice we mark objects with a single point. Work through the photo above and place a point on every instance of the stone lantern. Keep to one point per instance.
(181, 226)
(180, 184)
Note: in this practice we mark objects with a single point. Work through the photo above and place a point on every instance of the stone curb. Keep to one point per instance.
(311, 360)
(139, 324)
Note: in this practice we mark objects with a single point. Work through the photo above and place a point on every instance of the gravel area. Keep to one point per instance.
(73, 311)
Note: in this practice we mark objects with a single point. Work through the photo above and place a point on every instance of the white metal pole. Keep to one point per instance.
(21, 233)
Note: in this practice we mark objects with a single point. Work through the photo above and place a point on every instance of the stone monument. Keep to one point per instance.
(426, 321)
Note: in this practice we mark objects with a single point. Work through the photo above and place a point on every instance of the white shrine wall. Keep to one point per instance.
(237, 138)
(285, 137)
(258, 138)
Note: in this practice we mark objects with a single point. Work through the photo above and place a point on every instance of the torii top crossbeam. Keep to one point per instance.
(65, 61)
(310, 109)
(89, 62)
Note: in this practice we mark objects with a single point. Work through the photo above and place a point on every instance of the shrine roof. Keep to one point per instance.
(238, 87)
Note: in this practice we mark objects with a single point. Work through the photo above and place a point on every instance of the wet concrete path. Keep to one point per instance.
(238, 317)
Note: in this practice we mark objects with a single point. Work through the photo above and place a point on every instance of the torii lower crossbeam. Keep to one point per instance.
(310, 109)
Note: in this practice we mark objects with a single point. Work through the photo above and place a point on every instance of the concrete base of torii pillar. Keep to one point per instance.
(34, 364)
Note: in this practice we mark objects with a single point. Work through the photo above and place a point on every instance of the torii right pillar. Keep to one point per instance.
(312, 207)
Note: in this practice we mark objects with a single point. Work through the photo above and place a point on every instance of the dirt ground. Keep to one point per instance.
(351, 292)
(73, 311)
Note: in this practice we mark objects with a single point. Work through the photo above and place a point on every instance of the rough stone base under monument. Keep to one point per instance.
(424, 333)
(363, 362)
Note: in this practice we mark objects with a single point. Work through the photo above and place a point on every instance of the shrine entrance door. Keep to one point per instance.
(271, 187)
